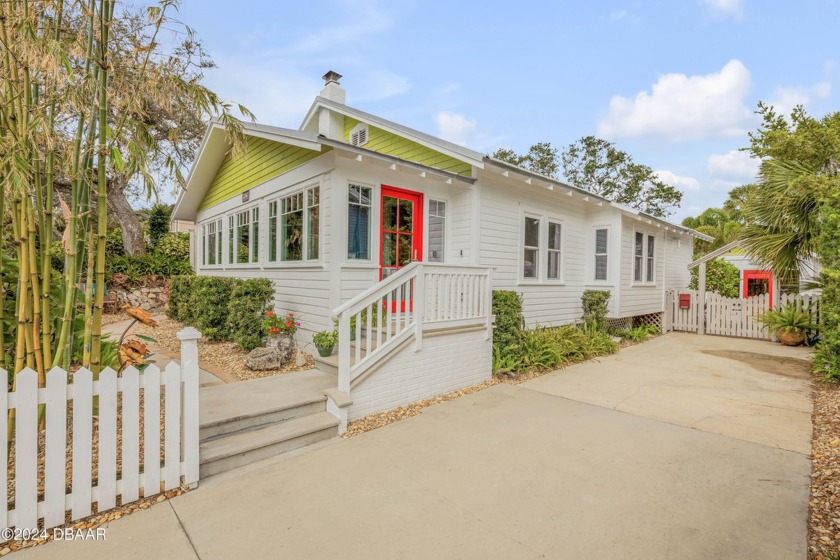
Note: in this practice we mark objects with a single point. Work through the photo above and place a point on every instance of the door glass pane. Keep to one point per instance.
(406, 215)
(389, 249)
(532, 232)
(405, 250)
(389, 213)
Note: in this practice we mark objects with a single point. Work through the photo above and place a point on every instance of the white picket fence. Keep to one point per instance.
(736, 317)
(124, 402)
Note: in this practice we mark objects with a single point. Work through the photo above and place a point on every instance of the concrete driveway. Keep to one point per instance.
(662, 451)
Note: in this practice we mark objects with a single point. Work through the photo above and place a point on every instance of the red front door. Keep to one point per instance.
(758, 282)
(401, 227)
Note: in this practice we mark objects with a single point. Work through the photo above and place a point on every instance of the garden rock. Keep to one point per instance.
(264, 359)
(284, 344)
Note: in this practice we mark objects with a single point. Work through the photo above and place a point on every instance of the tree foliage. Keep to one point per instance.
(722, 278)
(725, 224)
(599, 167)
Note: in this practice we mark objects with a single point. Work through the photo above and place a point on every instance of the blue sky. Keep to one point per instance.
(675, 83)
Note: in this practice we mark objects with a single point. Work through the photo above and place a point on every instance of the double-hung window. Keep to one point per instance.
(553, 250)
(231, 240)
(644, 260)
(358, 223)
(294, 223)
(651, 271)
(531, 248)
(638, 255)
(602, 236)
(211, 236)
(246, 237)
(437, 231)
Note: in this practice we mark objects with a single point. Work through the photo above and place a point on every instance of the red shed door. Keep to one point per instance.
(758, 282)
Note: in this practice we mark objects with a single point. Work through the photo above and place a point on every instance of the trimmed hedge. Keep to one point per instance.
(827, 358)
(507, 307)
(595, 308)
(223, 309)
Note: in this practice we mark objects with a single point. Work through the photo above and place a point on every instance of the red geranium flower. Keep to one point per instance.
(288, 324)
(270, 314)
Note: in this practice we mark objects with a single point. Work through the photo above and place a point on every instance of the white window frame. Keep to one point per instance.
(595, 254)
(255, 263)
(562, 250)
(373, 221)
(522, 247)
(428, 228)
(646, 260)
(278, 262)
(638, 257)
(650, 260)
(218, 222)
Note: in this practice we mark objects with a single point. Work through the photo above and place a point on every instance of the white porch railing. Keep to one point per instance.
(169, 405)
(420, 296)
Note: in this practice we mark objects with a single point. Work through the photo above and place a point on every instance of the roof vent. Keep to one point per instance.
(359, 135)
(332, 89)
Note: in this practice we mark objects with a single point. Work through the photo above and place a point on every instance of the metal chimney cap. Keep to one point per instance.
(331, 76)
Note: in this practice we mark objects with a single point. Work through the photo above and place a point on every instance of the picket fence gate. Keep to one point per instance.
(124, 402)
(736, 317)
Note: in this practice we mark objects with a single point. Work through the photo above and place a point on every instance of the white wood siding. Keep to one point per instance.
(640, 298)
(502, 211)
(679, 250)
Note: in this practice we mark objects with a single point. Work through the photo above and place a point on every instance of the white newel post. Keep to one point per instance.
(344, 352)
(189, 406)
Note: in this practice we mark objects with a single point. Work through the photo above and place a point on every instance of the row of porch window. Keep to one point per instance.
(294, 229)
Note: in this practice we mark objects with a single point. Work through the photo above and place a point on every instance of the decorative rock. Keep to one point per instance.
(285, 346)
(262, 359)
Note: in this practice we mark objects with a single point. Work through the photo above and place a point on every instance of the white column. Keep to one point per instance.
(701, 297)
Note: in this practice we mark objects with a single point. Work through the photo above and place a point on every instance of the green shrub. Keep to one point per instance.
(175, 246)
(552, 347)
(158, 223)
(722, 278)
(208, 304)
(640, 333)
(595, 308)
(827, 358)
(179, 287)
(249, 300)
(507, 307)
(150, 264)
(114, 243)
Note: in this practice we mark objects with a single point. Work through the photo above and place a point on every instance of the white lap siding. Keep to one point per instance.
(678, 255)
(502, 210)
(640, 298)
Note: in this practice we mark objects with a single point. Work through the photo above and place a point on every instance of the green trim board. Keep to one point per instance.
(263, 160)
(393, 145)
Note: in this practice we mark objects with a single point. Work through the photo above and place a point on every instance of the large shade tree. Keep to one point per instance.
(601, 168)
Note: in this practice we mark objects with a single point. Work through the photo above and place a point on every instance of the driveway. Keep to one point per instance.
(662, 451)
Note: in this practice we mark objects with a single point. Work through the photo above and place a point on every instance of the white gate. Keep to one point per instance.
(153, 410)
(737, 317)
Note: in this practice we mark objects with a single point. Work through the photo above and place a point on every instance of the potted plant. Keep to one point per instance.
(325, 342)
(281, 331)
(789, 324)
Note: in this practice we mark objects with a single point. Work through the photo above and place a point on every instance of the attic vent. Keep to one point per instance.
(359, 135)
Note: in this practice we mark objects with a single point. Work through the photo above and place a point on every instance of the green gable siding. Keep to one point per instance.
(264, 160)
(397, 146)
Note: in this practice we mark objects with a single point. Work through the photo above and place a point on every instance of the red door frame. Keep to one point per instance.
(759, 275)
(417, 231)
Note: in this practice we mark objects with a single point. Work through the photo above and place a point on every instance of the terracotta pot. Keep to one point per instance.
(791, 338)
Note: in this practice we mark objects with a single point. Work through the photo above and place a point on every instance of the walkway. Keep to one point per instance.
(628, 457)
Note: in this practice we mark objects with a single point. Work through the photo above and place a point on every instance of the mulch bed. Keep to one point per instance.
(824, 514)
(225, 356)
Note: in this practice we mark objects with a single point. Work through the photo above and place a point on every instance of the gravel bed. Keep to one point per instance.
(824, 511)
(226, 356)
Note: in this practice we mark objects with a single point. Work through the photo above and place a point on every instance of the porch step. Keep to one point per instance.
(248, 446)
(251, 420)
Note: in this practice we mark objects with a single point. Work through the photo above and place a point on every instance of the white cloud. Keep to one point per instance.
(680, 181)
(680, 107)
(455, 128)
(725, 8)
(786, 98)
(734, 164)
(624, 15)
(724, 185)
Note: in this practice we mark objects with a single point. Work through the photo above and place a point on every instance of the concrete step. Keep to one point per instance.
(233, 450)
(234, 407)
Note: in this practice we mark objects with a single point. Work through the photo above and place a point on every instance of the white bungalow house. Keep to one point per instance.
(352, 212)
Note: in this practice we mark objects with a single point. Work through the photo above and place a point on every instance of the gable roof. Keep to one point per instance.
(445, 147)
(716, 253)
